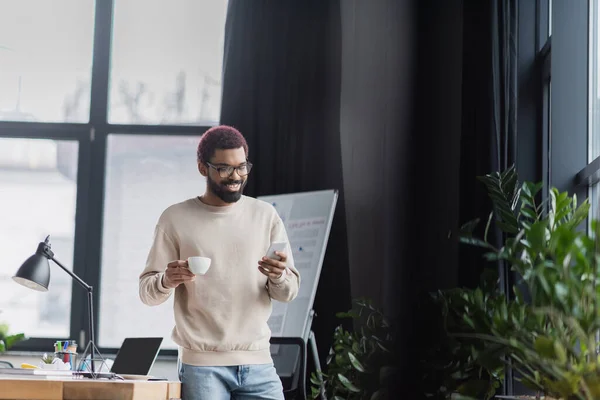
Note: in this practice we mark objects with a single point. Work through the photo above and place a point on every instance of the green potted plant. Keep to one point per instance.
(458, 367)
(550, 339)
(361, 363)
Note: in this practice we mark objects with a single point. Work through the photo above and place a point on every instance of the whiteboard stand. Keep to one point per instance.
(315, 352)
(312, 342)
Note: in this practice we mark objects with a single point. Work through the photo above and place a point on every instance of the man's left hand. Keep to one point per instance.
(274, 269)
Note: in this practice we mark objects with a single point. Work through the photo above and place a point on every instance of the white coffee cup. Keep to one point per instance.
(199, 265)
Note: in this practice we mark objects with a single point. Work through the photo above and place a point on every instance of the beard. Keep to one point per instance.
(221, 191)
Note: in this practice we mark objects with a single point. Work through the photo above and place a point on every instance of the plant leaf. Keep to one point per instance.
(469, 227)
(12, 339)
(475, 242)
(377, 395)
(314, 379)
(355, 363)
(347, 384)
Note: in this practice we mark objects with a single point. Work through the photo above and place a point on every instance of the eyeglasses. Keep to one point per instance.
(227, 171)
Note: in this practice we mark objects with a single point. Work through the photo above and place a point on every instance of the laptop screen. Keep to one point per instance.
(136, 356)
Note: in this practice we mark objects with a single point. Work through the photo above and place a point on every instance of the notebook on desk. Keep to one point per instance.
(38, 372)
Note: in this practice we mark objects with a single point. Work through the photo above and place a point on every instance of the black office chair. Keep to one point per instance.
(298, 385)
(5, 364)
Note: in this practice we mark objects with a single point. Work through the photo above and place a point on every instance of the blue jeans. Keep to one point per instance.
(242, 382)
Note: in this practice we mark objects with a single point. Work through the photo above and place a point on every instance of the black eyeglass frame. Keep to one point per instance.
(227, 171)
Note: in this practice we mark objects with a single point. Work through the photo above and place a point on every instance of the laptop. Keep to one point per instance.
(136, 356)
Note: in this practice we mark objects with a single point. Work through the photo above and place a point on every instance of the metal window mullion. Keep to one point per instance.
(95, 168)
(167, 130)
(34, 130)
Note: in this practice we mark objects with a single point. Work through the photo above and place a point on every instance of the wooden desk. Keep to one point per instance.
(12, 388)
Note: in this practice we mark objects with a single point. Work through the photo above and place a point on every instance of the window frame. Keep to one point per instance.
(561, 70)
(544, 65)
(89, 214)
(589, 176)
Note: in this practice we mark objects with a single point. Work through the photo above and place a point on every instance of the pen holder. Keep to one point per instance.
(69, 358)
(66, 346)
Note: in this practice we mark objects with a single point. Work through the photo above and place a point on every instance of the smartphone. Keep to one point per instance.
(276, 246)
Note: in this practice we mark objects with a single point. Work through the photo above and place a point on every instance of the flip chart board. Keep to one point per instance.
(307, 217)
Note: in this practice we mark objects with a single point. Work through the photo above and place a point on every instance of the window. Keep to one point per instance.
(166, 62)
(46, 60)
(546, 115)
(35, 178)
(141, 181)
(549, 17)
(101, 107)
(544, 58)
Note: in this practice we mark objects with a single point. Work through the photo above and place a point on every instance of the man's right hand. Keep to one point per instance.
(177, 272)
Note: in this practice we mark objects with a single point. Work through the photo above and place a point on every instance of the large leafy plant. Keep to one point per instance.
(548, 329)
(360, 363)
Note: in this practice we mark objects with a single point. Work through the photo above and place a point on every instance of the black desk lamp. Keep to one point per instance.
(35, 274)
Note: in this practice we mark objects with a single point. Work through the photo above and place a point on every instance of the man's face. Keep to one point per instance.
(227, 187)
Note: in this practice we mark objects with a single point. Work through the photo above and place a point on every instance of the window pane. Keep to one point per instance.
(166, 61)
(144, 175)
(46, 60)
(594, 98)
(549, 154)
(594, 82)
(549, 17)
(38, 191)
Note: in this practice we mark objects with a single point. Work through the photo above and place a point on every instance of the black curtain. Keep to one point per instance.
(489, 134)
(482, 60)
(281, 88)
(504, 93)
(478, 155)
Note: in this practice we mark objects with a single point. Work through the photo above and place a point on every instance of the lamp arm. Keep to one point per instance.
(45, 250)
(75, 277)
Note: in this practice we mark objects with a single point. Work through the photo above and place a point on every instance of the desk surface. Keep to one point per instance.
(21, 388)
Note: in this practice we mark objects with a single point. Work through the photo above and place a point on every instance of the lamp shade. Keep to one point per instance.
(34, 273)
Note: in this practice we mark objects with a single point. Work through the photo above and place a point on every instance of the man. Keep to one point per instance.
(221, 317)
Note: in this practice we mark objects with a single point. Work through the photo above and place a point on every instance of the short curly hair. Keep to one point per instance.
(220, 137)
